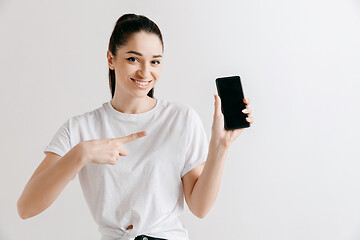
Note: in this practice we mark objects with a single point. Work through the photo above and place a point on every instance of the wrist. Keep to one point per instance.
(78, 155)
(219, 145)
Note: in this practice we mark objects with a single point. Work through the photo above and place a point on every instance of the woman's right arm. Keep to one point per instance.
(46, 184)
(53, 174)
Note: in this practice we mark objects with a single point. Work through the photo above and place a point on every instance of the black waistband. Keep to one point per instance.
(144, 237)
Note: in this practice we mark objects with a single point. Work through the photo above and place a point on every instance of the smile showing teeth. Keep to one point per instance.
(141, 83)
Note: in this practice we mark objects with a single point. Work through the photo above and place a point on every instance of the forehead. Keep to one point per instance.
(148, 44)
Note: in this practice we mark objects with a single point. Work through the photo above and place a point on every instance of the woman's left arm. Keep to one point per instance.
(206, 187)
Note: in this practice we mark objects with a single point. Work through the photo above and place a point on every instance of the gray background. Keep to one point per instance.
(294, 174)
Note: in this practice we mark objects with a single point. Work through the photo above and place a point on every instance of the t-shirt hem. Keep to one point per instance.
(194, 164)
(56, 150)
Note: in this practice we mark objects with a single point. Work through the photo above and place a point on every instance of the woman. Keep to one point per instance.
(139, 195)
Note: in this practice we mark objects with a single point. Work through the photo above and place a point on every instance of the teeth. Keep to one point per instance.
(141, 83)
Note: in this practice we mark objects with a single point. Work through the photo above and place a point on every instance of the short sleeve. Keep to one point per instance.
(195, 140)
(60, 143)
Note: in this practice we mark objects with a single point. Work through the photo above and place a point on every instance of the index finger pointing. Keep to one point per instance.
(132, 137)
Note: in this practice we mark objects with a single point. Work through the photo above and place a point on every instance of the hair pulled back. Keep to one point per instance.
(125, 27)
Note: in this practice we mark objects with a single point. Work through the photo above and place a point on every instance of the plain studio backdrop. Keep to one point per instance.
(293, 175)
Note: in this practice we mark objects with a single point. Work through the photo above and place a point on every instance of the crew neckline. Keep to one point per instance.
(120, 115)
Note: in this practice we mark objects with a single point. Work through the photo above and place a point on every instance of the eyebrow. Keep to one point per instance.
(139, 54)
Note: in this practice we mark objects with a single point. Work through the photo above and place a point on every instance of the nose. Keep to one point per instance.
(144, 71)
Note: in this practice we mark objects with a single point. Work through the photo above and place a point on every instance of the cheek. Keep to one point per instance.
(157, 72)
(126, 70)
(129, 67)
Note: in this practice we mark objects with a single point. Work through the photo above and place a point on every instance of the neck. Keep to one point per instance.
(133, 105)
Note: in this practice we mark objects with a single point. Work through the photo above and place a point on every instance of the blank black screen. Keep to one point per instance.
(232, 104)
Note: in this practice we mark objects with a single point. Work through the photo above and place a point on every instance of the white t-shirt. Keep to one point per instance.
(144, 188)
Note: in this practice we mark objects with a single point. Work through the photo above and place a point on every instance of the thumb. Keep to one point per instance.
(217, 112)
(132, 137)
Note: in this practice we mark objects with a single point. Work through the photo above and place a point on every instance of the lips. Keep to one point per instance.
(139, 80)
(141, 84)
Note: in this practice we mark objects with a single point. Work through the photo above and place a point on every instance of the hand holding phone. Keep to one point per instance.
(232, 102)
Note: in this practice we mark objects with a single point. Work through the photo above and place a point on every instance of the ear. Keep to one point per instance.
(110, 58)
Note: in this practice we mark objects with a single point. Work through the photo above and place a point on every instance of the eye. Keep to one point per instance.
(131, 58)
(158, 62)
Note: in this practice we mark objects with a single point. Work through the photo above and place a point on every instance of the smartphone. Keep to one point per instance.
(232, 102)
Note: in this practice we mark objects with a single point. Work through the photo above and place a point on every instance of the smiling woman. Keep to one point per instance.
(140, 196)
(134, 68)
(134, 54)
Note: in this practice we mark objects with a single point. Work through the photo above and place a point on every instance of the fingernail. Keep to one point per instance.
(244, 110)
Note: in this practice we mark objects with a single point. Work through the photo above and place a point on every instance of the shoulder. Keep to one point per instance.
(86, 117)
(184, 114)
(183, 109)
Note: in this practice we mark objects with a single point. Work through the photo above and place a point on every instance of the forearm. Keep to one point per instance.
(41, 191)
(206, 188)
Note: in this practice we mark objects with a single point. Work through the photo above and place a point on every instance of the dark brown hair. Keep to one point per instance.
(125, 27)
